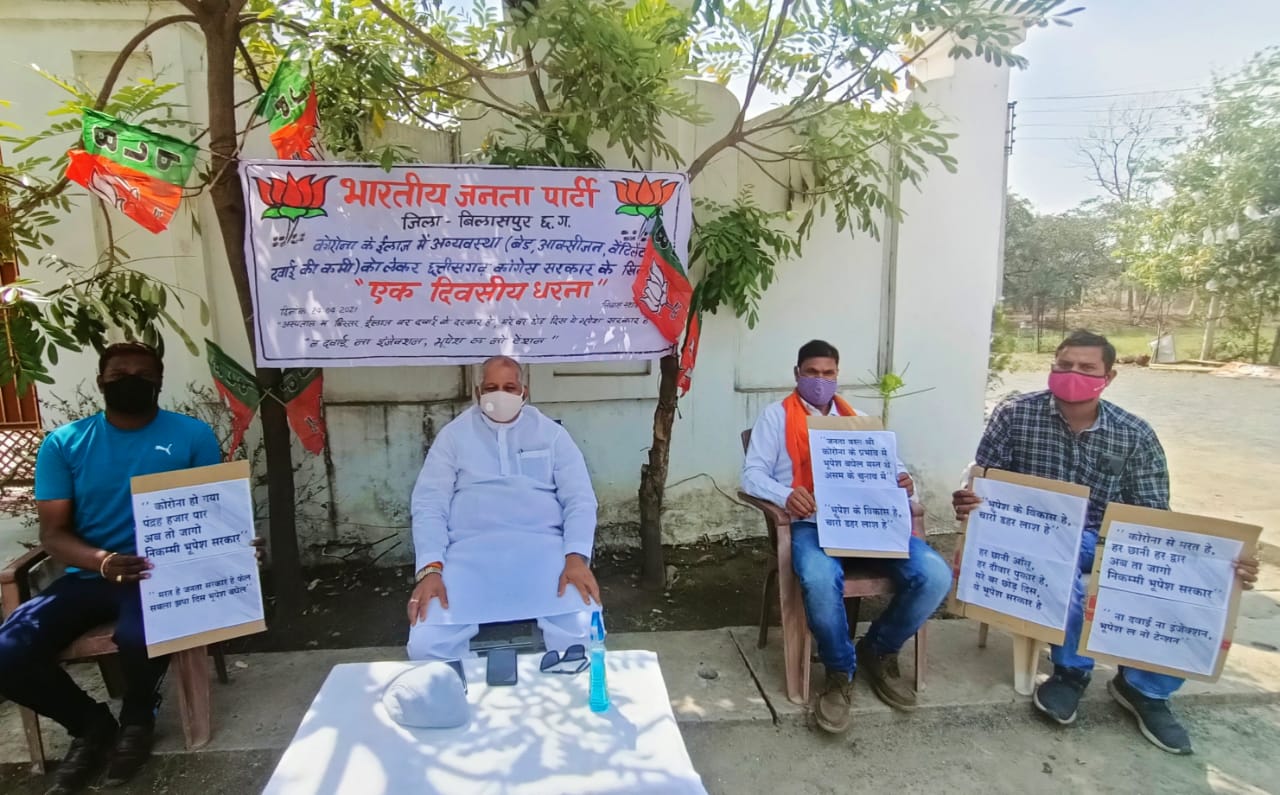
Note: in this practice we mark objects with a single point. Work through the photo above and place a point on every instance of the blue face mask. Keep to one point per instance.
(817, 392)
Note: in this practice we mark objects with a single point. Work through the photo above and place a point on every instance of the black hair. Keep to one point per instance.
(817, 349)
(128, 349)
(1082, 338)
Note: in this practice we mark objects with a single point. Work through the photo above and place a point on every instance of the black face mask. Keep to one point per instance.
(131, 394)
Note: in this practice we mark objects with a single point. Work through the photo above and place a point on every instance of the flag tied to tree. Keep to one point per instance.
(300, 390)
(289, 105)
(239, 391)
(661, 289)
(689, 352)
(139, 172)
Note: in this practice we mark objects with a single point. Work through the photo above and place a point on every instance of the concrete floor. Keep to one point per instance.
(972, 730)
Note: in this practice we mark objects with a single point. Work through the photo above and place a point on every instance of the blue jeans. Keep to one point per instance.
(1149, 684)
(33, 636)
(921, 582)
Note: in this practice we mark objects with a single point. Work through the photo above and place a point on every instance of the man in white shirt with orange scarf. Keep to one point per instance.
(778, 469)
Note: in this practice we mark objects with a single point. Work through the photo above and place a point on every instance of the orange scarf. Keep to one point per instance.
(798, 437)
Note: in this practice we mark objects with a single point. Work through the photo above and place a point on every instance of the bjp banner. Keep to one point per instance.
(139, 172)
(289, 105)
(354, 265)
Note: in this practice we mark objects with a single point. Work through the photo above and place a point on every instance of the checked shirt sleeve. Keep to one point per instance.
(1146, 479)
(995, 450)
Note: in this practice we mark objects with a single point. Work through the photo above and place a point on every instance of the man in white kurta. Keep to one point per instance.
(504, 521)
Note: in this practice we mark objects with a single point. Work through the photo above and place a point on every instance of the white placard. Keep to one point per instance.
(1022, 552)
(860, 506)
(1164, 596)
(354, 265)
(206, 572)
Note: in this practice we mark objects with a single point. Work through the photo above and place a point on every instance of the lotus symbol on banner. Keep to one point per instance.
(293, 199)
(643, 197)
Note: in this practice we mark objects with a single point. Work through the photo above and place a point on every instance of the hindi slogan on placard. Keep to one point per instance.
(1163, 596)
(427, 264)
(855, 483)
(205, 573)
(1022, 551)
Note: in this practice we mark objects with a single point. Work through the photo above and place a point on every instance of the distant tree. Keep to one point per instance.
(1051, 260)
(1123, 159)
(1219, 230)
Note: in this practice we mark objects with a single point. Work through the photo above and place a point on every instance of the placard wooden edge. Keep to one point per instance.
(206, 638)
(180, 479)
(1247, 534)
(860, 422)
(986, 615)
(878, 553)
(196, 476)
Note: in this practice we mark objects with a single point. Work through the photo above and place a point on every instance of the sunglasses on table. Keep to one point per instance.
(573, 661)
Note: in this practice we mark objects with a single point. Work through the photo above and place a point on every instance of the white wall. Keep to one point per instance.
(381, 420)
(946, 280)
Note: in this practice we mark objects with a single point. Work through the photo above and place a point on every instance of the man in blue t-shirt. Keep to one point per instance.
(86, 522)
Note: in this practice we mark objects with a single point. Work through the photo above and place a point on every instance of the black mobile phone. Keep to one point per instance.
(500, 670)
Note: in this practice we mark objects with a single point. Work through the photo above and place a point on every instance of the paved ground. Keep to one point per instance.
(1009, 754)
(972, 730)
(918, 754)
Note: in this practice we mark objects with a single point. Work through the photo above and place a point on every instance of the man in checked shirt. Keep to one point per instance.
(1069, 433)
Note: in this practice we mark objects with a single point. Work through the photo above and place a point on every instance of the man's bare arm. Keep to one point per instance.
(59, 539)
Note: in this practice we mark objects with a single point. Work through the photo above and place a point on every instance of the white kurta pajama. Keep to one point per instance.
(500, 505)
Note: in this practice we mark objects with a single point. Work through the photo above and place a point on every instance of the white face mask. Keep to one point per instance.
(501, 406)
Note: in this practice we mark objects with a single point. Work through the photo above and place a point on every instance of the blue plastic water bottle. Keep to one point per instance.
(599, 687)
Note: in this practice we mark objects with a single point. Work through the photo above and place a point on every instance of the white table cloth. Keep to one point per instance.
(536, 737)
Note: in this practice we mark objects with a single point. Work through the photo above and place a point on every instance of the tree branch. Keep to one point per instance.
(759, 63)
(477, 72)
(123, 57)
(250, 66)
(251, 19)
(535, 82)
(111, 235)
(755, 73)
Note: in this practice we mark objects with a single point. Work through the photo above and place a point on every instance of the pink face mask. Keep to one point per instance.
(1072, 387)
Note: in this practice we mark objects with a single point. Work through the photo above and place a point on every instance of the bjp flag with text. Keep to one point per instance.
(661, 289)
(289, 105)
(139, 172)
(301, 391)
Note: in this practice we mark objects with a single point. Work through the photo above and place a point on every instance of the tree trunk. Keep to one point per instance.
(1257, 340)
(1037, 313)
(1131, 292)
(1274, 359)
(220, 42)
(1142, 315)
(653, 477)
(1210, 329)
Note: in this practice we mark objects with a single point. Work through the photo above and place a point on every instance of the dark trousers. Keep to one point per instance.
(32, 638)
